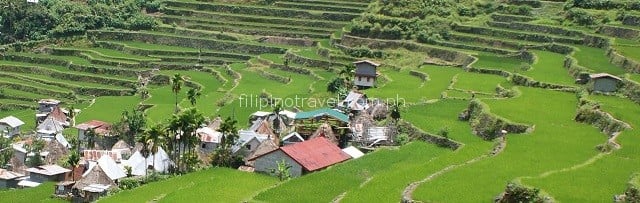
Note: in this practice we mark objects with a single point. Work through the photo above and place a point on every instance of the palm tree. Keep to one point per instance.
(73, 160)
(145, 147)
(176, 86)
(276, 123)
(155, 137)
(193, 95)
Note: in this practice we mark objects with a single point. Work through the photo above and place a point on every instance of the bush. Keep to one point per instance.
(402, 139)
(129, 183)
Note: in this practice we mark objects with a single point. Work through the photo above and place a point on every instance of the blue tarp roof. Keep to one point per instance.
(322, 112)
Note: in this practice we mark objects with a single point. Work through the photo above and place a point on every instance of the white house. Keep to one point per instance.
(366, 73)
(10, 126)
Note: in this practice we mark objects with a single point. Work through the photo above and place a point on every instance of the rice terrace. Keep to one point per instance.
(320, 101)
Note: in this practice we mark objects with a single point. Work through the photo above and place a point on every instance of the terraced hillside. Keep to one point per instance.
(220, 47)
(513, 67)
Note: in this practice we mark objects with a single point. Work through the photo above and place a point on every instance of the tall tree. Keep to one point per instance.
(73, 160)
(72, 115)
(90, 138)
(223, 155)
(6, 151)
(135, 122)
(36, 148)
(176, 85)
(155, 138)
(183, 127)
(193, 95)
(348, 73)
(145, 152)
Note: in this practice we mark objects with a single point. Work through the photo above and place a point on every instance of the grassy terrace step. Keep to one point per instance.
(473, 46)
(330, 2)
(489, 41)
(513, 34)
(255, 31)
(22, 95)
(13, 101)
(82, 88)
(107, 54)
(176, 65)
(194, 60)
(72, 63)
(63, 73)
(537, 28)
(11, 81)
(196, 33)
(320, 7)
(255, 18)
(511, 18)
(192, 42)
(180, 19)
(18, 80)
(155, 49)
(263, 11)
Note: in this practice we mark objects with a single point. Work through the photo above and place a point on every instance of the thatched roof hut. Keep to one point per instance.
(56, 151)
(325, 131)
(95, 176)
(122, 147)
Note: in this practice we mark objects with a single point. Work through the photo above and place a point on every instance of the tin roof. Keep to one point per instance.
(48, 170)
(11, 121)
(315, 154)
(322, 112)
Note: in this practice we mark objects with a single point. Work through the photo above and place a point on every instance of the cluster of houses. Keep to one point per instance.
(308, 141)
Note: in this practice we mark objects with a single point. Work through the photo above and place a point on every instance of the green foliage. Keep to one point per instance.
(60, 18)
(6, 152)
(402, 139)
(518, 193)
(135, 121)
(336, 84)
(128, 183)
(35, 147)
(282, 171)
(223, 155)
(444, 132)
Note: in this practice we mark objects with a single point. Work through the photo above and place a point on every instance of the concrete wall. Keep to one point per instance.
(3, 184)
(11, 131)
(208, 146)
(605, 85)
(267, 162)
(362, 81)
(40, 178)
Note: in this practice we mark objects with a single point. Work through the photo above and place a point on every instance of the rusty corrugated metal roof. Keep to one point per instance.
(314, 154)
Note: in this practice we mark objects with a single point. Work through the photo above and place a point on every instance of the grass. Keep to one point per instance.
(478, 82)
(632, 52)
(211, 185)
(108, 108)
(549, 68)
(596, 59)
(491, 61)
(552, 142)
(41, 193)
(412, 88)
(349, 175)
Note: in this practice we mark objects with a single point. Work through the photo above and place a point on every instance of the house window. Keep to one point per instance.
(248, 146)
(368, 79)
(204, 145)
(359, 78)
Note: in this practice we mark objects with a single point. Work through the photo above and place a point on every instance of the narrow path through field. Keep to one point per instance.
(408, 191)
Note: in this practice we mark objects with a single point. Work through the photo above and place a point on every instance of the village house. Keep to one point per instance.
(49, 128)
(335, 117)
(9, 179)
(292, 138)
(248, 141)
(353, 152)
(137, 163)
(604, 82)
(355, 101)
(10, 126)
(209, 136)
(46, 173)
(101, 128)
(94, 183)
(159, 161)
(366, 73)
(304, 157)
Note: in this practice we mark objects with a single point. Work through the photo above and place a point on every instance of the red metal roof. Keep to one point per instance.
(100, 127)
(314, 154)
